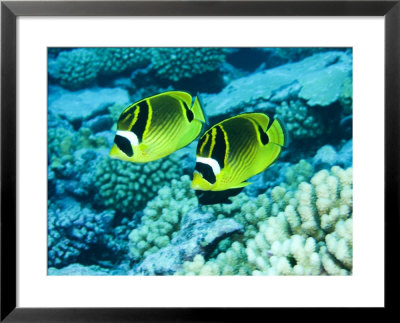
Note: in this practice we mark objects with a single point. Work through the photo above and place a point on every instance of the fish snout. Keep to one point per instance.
(114, 152)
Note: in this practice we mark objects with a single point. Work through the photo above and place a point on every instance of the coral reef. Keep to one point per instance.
(78, 270)
(199, 232)
(75, 233)
(327, 156)
(178, 63)
(294, 240)
(302, 232)
(63, 143)
(117, 60)
(161, 218)
(323, 87)
(265, 90)
(294, 54)
(77, 68)
(297, 173)
(231, 262)
(126, 187)
(109, 217)
(346, 95)
(299, 120)
(85, 104)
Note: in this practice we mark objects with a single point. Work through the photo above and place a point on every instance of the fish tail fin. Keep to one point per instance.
(277, 133)
(198, 111)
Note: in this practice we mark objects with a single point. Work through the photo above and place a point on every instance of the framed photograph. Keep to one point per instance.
(174, 155)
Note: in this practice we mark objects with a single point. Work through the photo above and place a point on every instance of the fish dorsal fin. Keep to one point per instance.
(192, 106)
(261, 123)
(261, 119)
(184, 96)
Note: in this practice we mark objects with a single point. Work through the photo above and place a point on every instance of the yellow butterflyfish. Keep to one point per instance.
(157, 126)
(236, 149)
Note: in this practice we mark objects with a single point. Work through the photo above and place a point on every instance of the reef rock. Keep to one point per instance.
(78, 270)
(345, 154)
(199, 234)
(84, 104)
(99, 123)
(327, 156)
(318, 80)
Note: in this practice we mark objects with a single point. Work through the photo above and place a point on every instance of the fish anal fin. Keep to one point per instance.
(240, 185)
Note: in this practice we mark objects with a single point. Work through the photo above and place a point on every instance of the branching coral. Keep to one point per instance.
(307, 231)
(162, 217)
(301, 238)
(177, 63)
(294, 175)
(125, 187)
(231, 262)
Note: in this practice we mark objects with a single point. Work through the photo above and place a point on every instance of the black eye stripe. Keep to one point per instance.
(206, 171)
(124, 145)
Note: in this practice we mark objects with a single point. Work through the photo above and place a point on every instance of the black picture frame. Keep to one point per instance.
(11, 10)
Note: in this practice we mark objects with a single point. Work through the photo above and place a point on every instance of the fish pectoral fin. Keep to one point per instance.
(243, 184)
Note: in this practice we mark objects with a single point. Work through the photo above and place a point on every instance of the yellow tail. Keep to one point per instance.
(277, 139)
(198, 110)
(277, 133)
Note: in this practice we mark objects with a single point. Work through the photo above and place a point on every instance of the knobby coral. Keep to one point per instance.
(126, 187)
(175, 64)
(77, 68)
(299, 120)
(117, 60)
(64, 142)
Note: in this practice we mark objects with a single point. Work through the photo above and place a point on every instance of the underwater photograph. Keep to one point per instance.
(200, 161)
